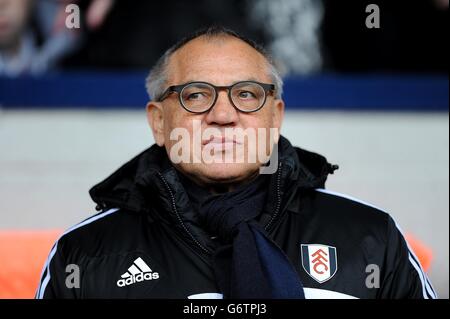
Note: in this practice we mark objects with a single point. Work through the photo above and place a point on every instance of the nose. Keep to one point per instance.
(223, 112)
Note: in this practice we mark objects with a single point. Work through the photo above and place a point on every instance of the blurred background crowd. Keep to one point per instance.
(304, 35)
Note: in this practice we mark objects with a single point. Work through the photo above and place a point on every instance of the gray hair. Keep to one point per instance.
(157, 78)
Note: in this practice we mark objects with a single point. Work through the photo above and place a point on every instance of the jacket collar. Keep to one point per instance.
(148, 183)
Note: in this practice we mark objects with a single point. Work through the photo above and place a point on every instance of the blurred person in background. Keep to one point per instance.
(34, 37)
(306, 36)
(136, 32)
(293, 32)
(290, 28)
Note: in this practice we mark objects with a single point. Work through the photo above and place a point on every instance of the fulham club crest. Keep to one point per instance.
(319, 261)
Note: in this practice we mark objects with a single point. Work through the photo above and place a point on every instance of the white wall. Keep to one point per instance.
(399, 162)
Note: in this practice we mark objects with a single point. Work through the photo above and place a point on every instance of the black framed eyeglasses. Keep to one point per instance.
(200, 97)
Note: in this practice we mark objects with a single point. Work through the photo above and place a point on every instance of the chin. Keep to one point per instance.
(223, 173)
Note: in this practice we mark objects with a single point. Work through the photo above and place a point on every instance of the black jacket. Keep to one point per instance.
(147, 241)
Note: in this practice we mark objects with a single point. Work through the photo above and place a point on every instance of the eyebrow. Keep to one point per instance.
(246, 79)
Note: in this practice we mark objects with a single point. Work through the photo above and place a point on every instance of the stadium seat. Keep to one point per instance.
(22, 255)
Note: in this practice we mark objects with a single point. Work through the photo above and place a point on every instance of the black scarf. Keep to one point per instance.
(248, 264)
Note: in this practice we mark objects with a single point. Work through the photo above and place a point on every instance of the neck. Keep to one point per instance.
(221, 187)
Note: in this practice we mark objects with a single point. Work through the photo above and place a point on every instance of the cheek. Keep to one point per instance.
(176, 121)
(172, 119)
(178, 128)
(266, 134)
(264, 119)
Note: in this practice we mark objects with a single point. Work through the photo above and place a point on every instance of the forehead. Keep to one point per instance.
(220, 61)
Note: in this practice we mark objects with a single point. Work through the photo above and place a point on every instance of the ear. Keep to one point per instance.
(155, 118)
(278, 116)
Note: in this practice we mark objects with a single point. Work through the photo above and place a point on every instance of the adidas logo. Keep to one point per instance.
(138, 272)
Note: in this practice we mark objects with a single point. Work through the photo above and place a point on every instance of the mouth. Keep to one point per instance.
(220, 143)
(220, 140)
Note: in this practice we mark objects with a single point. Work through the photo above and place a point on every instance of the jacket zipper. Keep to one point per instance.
(204, 249)
(174, 208)
(277, 208)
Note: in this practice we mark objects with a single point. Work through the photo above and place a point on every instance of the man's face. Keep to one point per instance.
(221, 62)
(13, 20)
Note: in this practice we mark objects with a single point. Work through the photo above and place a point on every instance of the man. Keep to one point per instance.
(204, 217)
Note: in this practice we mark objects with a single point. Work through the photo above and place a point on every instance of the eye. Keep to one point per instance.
(246, 95)
(196, 96)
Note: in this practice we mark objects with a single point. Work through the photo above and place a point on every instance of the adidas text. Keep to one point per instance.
(137, 278)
